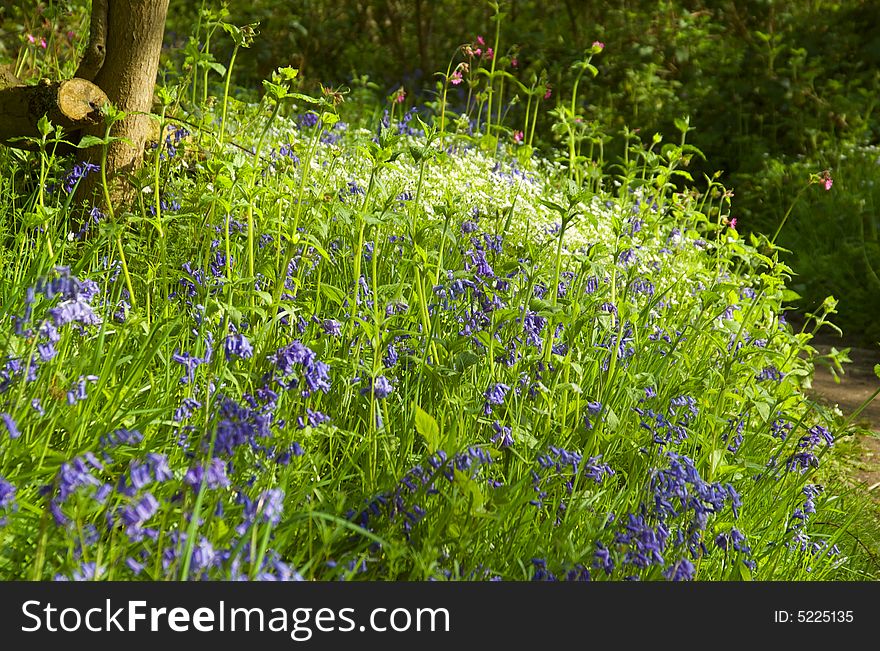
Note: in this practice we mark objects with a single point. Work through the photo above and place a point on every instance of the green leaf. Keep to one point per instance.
(219, 68)
(428, 428)
(305, 98)
(44, 126)
(90, 141)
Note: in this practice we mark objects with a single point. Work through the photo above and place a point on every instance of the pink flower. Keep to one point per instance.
(399, 96)
(733, 223)
(489, 53)
(478, 51)
(518, 137)
(455, 79)
(43, 43)
(827, 180)
(480, 40)
(548, 93)
(598, 45)
(31, 39)
(514, 62)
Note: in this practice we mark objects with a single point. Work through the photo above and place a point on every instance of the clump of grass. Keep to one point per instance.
(386, 352)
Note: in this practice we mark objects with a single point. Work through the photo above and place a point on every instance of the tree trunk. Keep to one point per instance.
(72, 104)
(125, 43)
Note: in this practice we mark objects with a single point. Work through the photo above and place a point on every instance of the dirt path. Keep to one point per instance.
(857, 385)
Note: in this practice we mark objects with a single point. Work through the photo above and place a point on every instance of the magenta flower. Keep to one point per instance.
(518, 137)
(455, 79)
(548, 93)
(598, 46)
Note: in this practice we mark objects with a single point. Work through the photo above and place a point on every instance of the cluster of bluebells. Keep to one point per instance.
(671, 426)
(673, 523)
(296, 366)
(541, 572)
(72, 299)
(172, 141)
(559, 472)
(805, 457)
(79, 172)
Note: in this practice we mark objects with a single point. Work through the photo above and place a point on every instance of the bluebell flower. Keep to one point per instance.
(390, 358)
(502, 437)
(313, 418)
(11, 426)
(214, 477)
(602, 559)
(770, 372)
(682, 570)
(495, 395)
(331, 327)
(237, 345)
(271, 505)
(135, 515)
(379, 386)
(78, 392)
(203, 555)
(134, 565)
(307, 120)
(186, 409)
(7, 494)
(79, 171)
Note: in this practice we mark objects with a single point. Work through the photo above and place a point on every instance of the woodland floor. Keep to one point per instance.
(855, 386)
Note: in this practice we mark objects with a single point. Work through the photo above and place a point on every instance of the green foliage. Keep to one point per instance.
(347, 340)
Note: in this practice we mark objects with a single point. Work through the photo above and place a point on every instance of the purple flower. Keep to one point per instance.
(154, 467)
(134, 565)
(602, 559)
(331, 327)
(7, 494)
(135, 515)
(380, 387)
(203, 555)
(682, 570)
(502, 435)
(79, 171)
(215, 477)
(801, 462)
(770, 373)
(313, 418)
(11, 426)
(78, 392)
(289, 359)
(495, 395)
(237, 345)
(272, 505)
(186, 409)
(391, 356)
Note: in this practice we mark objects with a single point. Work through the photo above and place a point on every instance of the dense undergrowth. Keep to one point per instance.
(327, 350)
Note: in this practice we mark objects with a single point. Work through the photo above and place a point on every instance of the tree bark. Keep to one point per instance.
(131, 32)
(72, 104)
